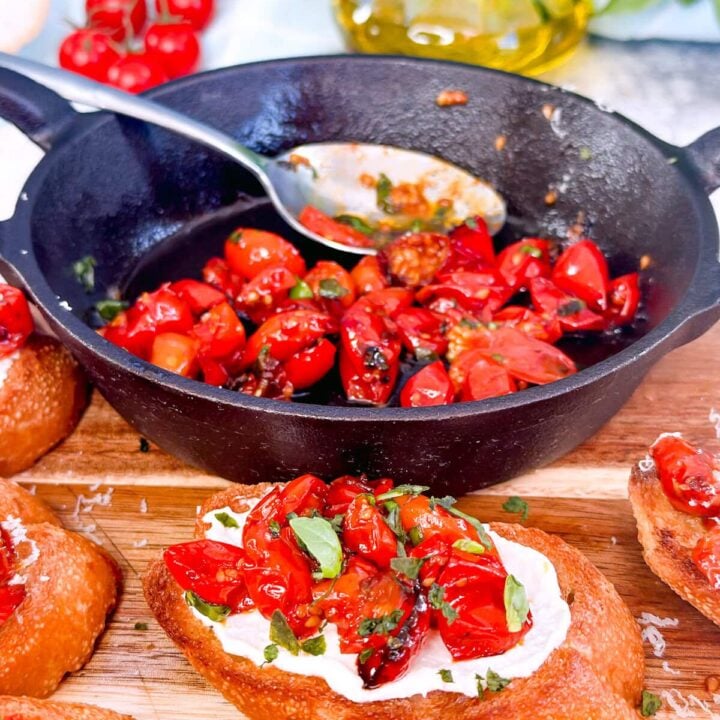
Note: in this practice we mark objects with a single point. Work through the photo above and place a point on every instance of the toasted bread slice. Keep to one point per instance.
(669, 537)
(71, 585)
(24, 708)
(597, 674)
(42, 395)
(19, 503)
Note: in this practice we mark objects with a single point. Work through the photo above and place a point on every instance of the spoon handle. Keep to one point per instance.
(88, 92)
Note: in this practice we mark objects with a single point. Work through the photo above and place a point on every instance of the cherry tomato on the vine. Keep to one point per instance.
(174, 47)
(136, 73)
(196, 12)
(118, 18)
(89, 52)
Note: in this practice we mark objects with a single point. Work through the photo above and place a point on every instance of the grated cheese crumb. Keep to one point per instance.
(88, 504)
(18, 536)
(140, 543)
(647, 618)
(652, 635)
(94, 486)
(670, 670)
(677, 701)
(646, 464)
(143, 505)
(614, 540)
(44, 578)
(714, 418)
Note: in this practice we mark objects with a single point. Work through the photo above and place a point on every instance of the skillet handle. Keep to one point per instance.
(38, 112)
(704, 153)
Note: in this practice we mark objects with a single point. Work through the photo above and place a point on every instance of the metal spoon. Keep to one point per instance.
(325, 175)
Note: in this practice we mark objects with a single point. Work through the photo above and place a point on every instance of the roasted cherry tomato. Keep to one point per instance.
(249, 251)
(311, 364)
(689, 477)
(117, 18)
(7, 556)
(288, 333)
(421, 332)
(474, 291)
(260, 297)
(542, 326)
(332, 286)
(706, 556)
(341, 492)
(572, 312)
(11, 597)
(218, 274)
(415, 258)
(213, 371)
(416, 512)
(219, 332)
(323, 225)
(213, 570)
(428, 387)
(474, 588)
(198, 295)
(176, 353)
(136, 73)
(471, 246)
(365, 532)
(368, 275)
(88, 52)
(524, 260)
(387, 303)
(582, 271)
(623, 299)
(196, 12)
(16, 323)
(485, 379)
(174, 46)
(435, 553)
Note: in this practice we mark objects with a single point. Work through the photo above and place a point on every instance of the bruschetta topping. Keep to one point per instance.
(12, 585)
(16, 323)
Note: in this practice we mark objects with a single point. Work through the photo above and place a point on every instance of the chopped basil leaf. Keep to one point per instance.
(531, 250)
(484, 537)
(356, 223)
(417, 225)
(337, 523)
(301, 291)
(407, 566)
(516, 604)
(392, 519)
(274, 526)
(402, 490)
(425, 354)
(365, 655)
(516, 504)
(226, 520)
(315, 646)
(84, 272)
(471, 222)
(469, 546)
(446, 676)
(216, 613)
(281, 633)
(141, 626)
(494, 682)
(416, 535)
(331, 289)
(144, 445)
(383, 188)
(270, 653)
(445, 502)
(649, 704)
(380, 626)
(374, 359)
(479, 680)
(109, 309)
(498, 358)
(436, 598)
(321, 541)
(571, 307)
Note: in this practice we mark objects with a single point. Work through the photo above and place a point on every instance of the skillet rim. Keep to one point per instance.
(687, 309)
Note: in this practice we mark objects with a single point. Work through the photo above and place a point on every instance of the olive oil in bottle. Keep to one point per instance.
(526, 36)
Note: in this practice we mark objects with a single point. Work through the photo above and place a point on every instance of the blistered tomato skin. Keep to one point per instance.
(429, 387)
(366, 532)
(582, 270)
(249, 251)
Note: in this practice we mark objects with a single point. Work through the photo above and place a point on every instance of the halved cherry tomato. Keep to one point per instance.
(416, 512)
(689, 476)
(116, 17)
(368, 275)
(218, 274)
(415, 258)
(365, 532)
(318, 222)
(572, 312)
(623, 299)
(386, 303)
(174, 46)
(213, 570)
(213, 371)
(249, 251)
(198, 295)
(435, 553)
(471, 246)
(706, 556)
(311, 364)
(474, 587)
(259, 297)
(288, 333)
(341, 492)
(486, 379)
(545, 327)
(11, 597)
(421, 332)
(582, 271)
(332, 286)
(136, 73)
(524, 260)
(429, 387)
(176, 353)
(220, 332)
(474, 291)
(196, 12)
(16, 323)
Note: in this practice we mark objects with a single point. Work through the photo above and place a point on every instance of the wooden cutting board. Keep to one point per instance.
(140, 672)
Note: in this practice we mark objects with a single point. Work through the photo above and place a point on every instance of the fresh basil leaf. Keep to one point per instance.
(365, 655)
(356, 223)
(436, 598)
(337, 523)
(282, 634)
(321, 541)
(275, 528)
(380, 626)
(301, 291)
(516, 604)
(402, 490)
(226, 520)
(407, 566)
(392, 519)
(469, 546)
(270, 653)
(446, 675)
(331, 289)
(415, 534)
(109, 309)
(480, 684)
(315, 646)
(444, 502)
(383, 188)
(494, 682)
(216, 613)
(84, 272)
(482, 534)
(650, 703)
(517, 505)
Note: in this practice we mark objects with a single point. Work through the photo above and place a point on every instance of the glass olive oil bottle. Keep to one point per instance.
(525, 36)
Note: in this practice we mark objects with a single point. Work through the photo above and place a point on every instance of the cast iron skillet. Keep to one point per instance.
(116, 189)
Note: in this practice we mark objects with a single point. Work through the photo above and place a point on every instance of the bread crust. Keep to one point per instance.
(668, 538)
(597, 674)
(41, 401)
(71, 586)
(19, 503)
(25, 708)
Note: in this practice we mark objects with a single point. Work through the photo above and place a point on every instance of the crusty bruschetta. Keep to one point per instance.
(359, 599)
(56, 590)
(25, 708)
(42, 389)
(675, 496)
